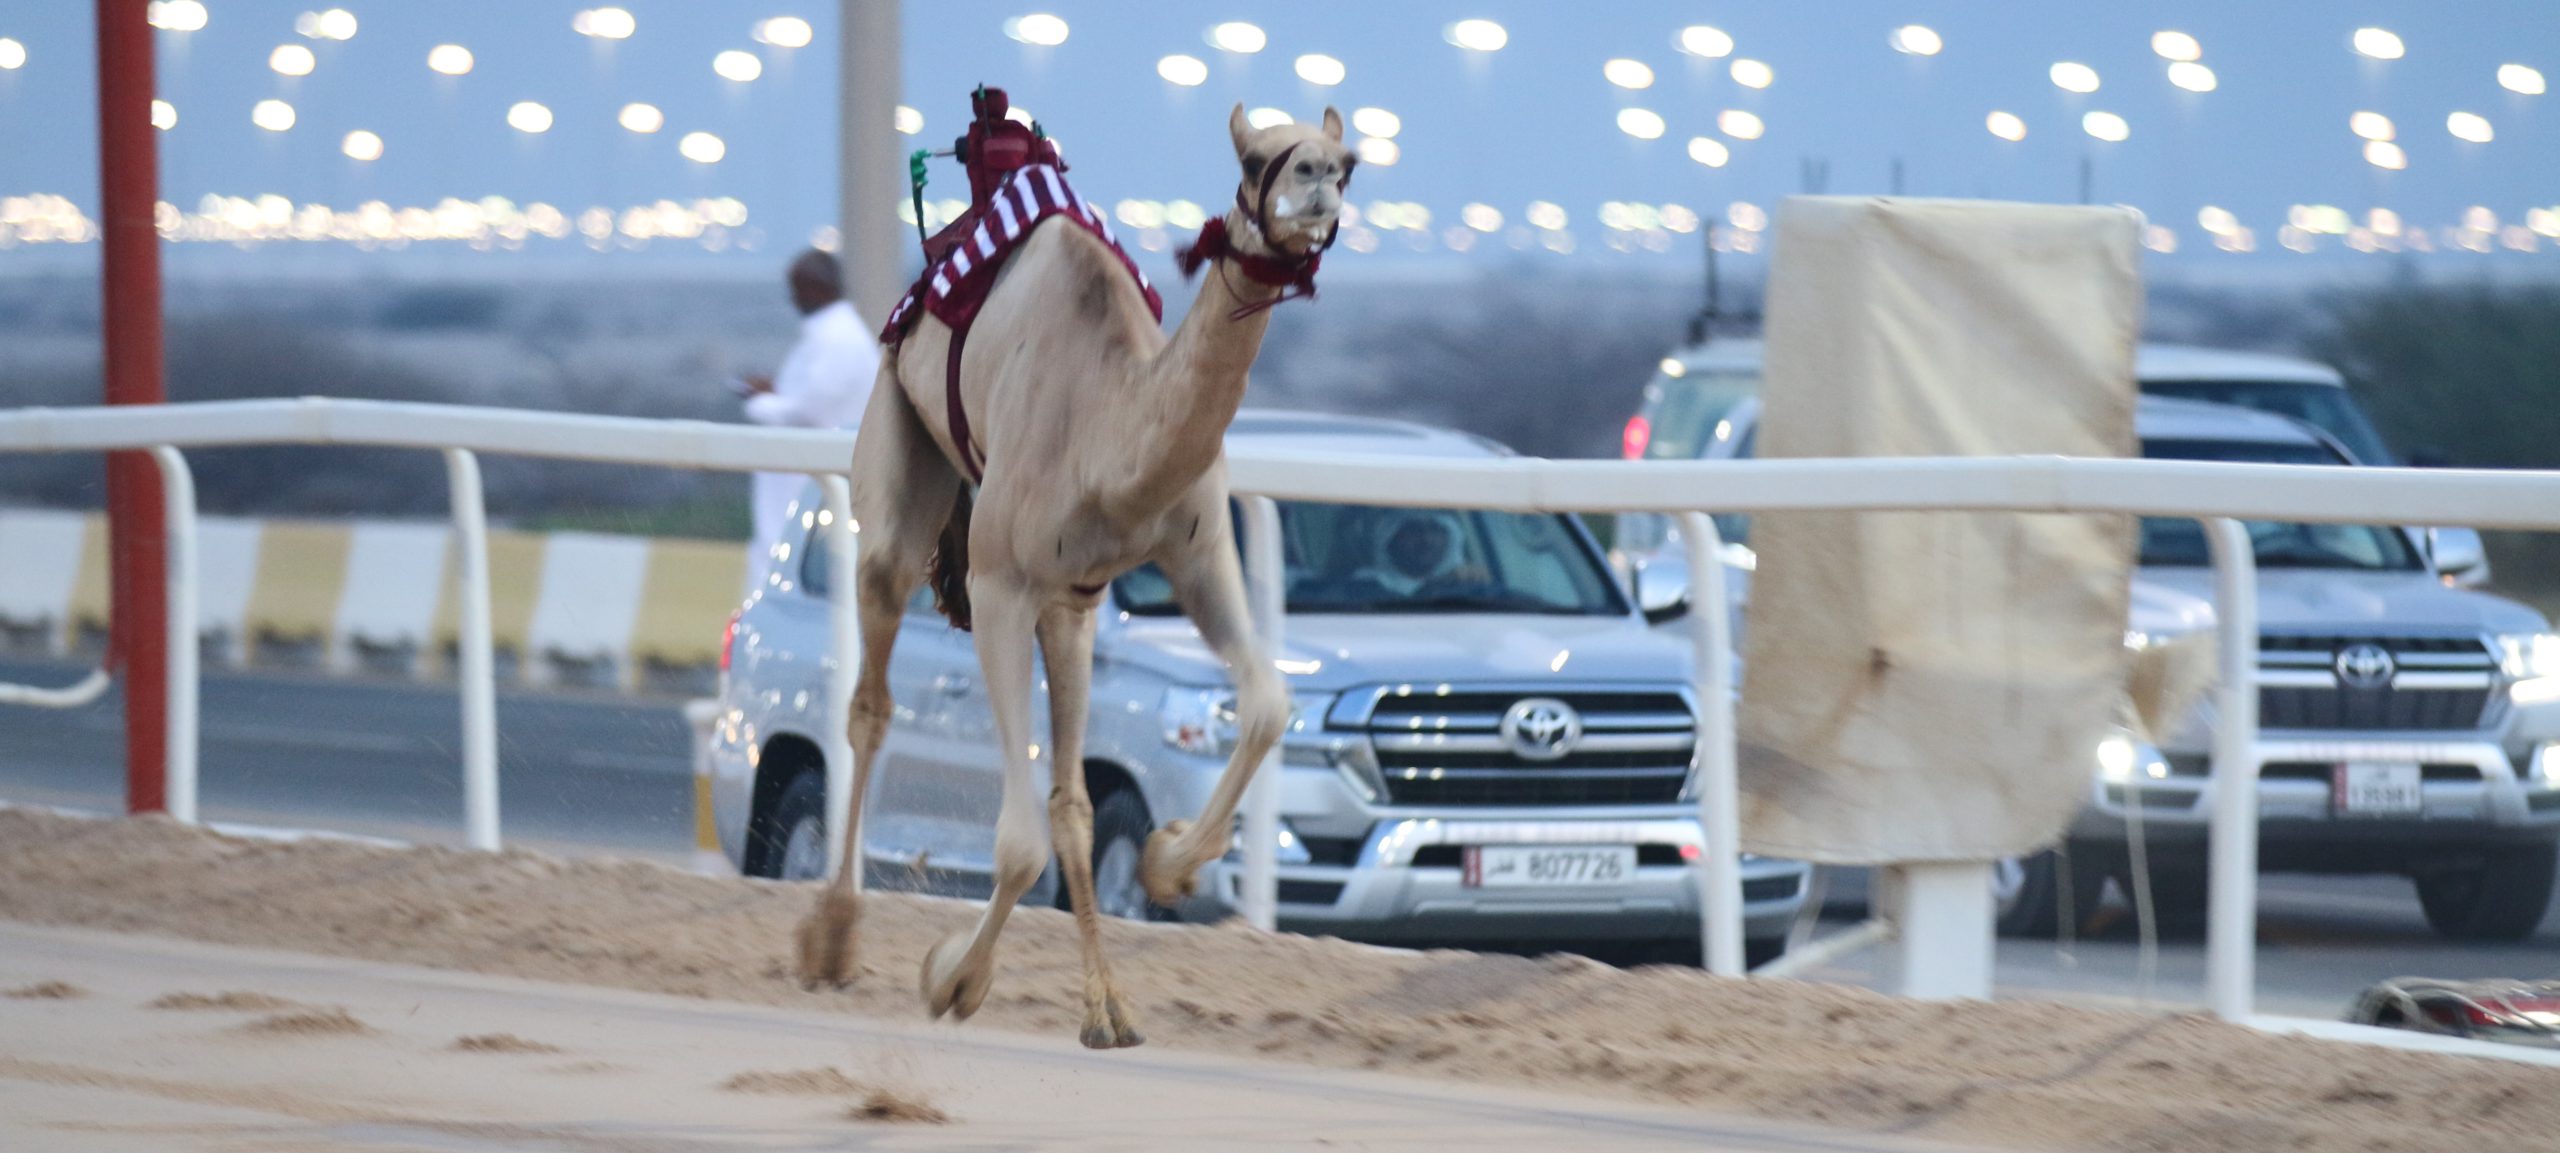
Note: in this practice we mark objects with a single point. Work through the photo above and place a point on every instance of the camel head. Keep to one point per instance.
(1298, 205)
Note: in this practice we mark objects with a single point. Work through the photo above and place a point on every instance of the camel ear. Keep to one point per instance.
(1333, 125)
(1239, 128)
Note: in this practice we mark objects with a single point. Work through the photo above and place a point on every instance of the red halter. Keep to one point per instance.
(1294, 276)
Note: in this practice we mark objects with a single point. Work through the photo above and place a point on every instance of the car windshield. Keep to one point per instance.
(1364, 559)
(1689, 407)
(2326, 407)
(2178, 542)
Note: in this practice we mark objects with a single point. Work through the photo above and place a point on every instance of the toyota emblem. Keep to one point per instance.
(2365, 666)
(1541, 729)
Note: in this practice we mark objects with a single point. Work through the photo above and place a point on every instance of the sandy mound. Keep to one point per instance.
(794, 1083)
(501, 1043)
(47, 991)
(309, 1023)
(883, 1105)
(2021, 1073)
(242, 1002)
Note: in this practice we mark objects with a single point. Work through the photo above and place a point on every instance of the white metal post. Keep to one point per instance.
(178, 498)
(844, 622)
(477, 676)
(2231, 930)
(1266, 584)
(1943, 919)
(1719, 794)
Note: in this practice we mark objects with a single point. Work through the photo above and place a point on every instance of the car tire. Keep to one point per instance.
(2025, 892)
(792, 838)
(2501, 899)
(1758, 951)
(1120, 828)
(2178, 900)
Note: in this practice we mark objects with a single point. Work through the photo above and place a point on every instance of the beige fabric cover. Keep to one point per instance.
(1933, 686)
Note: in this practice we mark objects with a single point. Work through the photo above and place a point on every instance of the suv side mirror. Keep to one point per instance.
(2459, 556)
(1662, 589)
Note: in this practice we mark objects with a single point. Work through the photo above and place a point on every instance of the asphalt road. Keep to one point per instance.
(612, 774)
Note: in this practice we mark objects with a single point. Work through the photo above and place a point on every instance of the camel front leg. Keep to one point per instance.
(960, 970)
(1209, 581)
(1066, 647)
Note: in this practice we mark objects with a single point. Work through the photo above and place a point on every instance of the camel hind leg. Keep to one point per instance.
(1066, 645)
(903, 491)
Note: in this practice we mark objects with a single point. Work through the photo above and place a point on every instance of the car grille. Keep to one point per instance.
(2442, 684)
(1446, 748)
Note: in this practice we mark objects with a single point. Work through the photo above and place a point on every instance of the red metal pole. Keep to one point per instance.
(129, 193)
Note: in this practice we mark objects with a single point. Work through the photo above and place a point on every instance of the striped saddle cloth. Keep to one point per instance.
(963, 258)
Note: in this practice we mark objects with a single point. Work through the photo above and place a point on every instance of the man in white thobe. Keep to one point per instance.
(825, 382)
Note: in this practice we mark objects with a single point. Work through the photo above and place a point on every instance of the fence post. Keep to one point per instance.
(2231, 930)
(844, 621)
(1719, 794)
(477, 676)
(178, 502)
(1266, 584)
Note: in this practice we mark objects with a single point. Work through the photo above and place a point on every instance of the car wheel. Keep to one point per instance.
(797, 828)
(2178, 898)
(1120, 828)
(1758, 951)
(2025, 892)
(2500, 899)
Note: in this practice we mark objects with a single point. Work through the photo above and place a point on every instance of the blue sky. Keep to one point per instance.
(1534, 121)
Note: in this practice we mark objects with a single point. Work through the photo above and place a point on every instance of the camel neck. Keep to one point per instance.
(1197, 382)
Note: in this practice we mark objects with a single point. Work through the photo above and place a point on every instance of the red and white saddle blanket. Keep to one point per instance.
(955, 285)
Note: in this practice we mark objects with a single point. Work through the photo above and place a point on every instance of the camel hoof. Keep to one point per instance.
(1166, 882)
(826, 939)
(1110, 1029)
(949, 985)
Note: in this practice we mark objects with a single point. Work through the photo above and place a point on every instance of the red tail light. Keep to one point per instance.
(1638, 435)
(728, 640)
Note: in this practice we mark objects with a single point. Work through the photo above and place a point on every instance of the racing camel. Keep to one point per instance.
(1096, 444)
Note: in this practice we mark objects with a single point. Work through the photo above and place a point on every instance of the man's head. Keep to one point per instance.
(816, 281)
(1420, 546)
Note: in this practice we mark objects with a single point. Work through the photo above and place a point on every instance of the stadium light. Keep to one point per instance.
(1705, 41)
(450, 59)
(1753, 74)
(2520, 79)
(361, 145)
(2379, 44)
(2073, 76)
(605, 23)
(13, 55)
(164, 115)
(1916, 40)
(2372, 126)
(702, 148)
(1627, 73)
(2470, 126)
(1379, 150)
(529, 117)
(738, 66)
(1377, 122)
(2106, 126)
(1238, 37)
(1268, 118)
(1740, 125)
(2385, 154)
(2193, 77)
(292, 60)
(1708, 151)
(642, 118)
(2176, 46)
(1477, 35)
(1038, 28)
(784, 32)
(1321, 70)
(177, 15)
(1187, 71)
(908, 120)
(2006, 125)
(272, 115)
(334, 24)
(1641, 123)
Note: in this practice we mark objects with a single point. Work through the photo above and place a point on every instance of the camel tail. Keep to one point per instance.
(949, 569)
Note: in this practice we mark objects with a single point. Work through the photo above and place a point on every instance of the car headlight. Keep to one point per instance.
(1202, 722)
(2529, 656)
(2120, 758)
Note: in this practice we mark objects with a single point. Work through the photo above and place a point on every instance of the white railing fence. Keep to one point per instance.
(1951, 932)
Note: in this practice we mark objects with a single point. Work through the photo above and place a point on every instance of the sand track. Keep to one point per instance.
(2021, 1074)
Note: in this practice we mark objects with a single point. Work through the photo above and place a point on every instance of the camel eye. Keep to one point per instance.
(1306, 169)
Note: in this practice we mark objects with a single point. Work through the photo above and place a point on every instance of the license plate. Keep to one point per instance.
(2376, 789)
(1547, 866)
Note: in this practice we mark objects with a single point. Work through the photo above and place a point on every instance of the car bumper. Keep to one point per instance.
(2475, 796)
(1407, 886)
